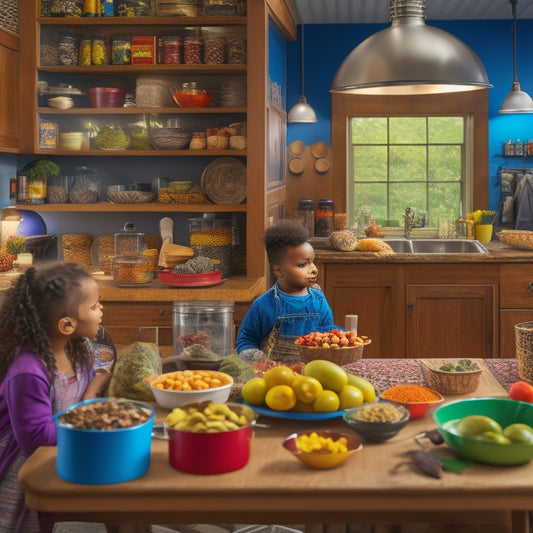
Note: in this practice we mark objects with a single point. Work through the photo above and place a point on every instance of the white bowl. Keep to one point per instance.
(61, 102)
(169, 399)
(72, 140)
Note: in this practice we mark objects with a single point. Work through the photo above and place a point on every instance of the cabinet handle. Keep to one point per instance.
(530, 286)
(162, 312)
(410, 304)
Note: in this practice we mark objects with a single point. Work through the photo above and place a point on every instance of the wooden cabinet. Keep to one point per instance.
(418, 310)
(516, 303)
(9, 91)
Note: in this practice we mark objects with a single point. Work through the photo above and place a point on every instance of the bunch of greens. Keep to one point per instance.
(41, 170)
(464, 365)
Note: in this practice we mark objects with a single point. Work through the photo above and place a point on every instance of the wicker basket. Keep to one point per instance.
(524, 350)
(77, 248)
(520, 239)
(194, 195)
(129, 197)
(170, 138)
(339, 356)
(450, 382)
(224, 181)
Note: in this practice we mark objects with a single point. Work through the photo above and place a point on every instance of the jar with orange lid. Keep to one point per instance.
(324, 218)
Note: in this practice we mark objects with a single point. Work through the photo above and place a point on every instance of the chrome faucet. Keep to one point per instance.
(409, 221)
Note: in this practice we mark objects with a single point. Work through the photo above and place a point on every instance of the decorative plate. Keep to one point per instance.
(224, 181)
(291, 415)
(167, 277)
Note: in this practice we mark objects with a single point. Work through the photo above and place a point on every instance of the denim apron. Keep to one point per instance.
(278, 345)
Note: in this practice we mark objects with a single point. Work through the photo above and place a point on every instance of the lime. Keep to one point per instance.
(521, 433)
(493, 436)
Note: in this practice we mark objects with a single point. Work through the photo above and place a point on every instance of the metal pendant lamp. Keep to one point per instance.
(410, 57)
(517, 101)
(302, 111)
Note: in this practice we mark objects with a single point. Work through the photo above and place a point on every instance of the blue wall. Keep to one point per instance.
(326, 46)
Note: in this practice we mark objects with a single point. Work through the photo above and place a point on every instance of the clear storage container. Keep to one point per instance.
(85, 186)
(209, 324)
(132, 269)
(128, 240)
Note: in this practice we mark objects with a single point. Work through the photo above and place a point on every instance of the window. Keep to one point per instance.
(396, 162)
(409, 150)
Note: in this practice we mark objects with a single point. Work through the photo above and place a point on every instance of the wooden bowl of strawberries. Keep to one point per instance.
(338, 346)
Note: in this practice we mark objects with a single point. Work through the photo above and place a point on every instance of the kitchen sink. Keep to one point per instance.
(436, 246)
(447, 246)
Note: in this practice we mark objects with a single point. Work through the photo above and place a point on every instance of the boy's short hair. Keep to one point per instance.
(286, 233)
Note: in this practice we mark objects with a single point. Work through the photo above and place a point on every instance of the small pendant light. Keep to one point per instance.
(302, 111)
(517, 101)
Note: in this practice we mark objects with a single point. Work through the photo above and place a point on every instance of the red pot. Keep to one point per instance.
(211, 453)
(107, 97)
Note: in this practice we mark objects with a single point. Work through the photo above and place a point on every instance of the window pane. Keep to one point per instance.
(407, 163)
(373, 196)
(446, 130)
(402, 195)
(369, 130)
(370, 163)
(444, 201)
(407, 130)
(445, 163)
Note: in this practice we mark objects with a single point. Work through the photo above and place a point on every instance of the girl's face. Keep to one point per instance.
(297, 270)
(90, 310)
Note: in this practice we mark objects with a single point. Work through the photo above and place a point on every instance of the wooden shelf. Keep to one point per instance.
(105, 207)
(158, 153)
(225, 68)
(142, 21)
(141, 110)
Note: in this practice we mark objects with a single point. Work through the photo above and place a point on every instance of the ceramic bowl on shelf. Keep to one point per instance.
(71, 140)
(60, 102)
(106, 96)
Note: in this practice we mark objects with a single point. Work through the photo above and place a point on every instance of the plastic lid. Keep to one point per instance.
(306, 203)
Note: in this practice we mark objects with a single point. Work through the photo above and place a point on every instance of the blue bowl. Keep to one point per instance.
(101, 457)
(505, 411)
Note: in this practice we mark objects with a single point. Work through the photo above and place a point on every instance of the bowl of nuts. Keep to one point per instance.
(174, 389)
(92, 436)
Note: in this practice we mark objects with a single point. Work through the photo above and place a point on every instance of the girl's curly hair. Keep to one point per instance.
(39, 298)
(284, 234)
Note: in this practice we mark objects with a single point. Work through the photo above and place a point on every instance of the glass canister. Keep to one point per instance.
(192, 50)
(128, 240)
(57, 190)
(120, 50)
(209, 324)
(99, 50)
(307, 209)
(213, 238)
(172, 50)
(324, 218)
(132, 269)
(68, 51)
(85, 186)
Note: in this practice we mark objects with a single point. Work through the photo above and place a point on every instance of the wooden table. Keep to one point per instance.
(275, 488)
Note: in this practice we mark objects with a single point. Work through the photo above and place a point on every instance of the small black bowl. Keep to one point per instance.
(375, 431)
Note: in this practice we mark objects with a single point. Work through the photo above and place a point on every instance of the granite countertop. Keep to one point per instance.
(499, 252)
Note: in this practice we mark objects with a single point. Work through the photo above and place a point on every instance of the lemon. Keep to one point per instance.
(368, 390)
(306, 388)
(326, 402)
(350, 397)
(254, 391)
(280, 398)
(279, 375)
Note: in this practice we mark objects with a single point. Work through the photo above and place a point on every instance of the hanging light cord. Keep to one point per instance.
(513, 4)
(303, 58)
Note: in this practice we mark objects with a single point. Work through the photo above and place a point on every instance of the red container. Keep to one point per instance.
(107, 97)
(211, 453)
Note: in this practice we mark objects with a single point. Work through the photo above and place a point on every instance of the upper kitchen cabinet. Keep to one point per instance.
(9, 79)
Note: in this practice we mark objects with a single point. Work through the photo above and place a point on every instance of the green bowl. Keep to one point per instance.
(505, 411)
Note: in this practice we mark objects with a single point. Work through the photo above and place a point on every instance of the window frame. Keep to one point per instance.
(473, 105)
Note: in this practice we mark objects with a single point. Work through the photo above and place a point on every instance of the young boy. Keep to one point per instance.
(293, 306)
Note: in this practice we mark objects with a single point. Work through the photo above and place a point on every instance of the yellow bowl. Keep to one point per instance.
(319, 459)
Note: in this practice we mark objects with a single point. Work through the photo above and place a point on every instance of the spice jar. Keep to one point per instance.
(236, 51)
(68, 51)
(99, 51)
(85, 186)
(308, 212)
(132, 269)
(57, 190)
(120, 50)
(128, 240)
(85, 52)
(324, 218)
(192, 51)
(214, 51)
(172, 50)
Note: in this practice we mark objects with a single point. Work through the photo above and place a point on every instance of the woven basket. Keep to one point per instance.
(520, 239)
(339, 356)
(224, 181)
(153, 92)
(524, 350)
(129, 197)
(194, 195)
(77, 248)
(170, 138)
(450, 382)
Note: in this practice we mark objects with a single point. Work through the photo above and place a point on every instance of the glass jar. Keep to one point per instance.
(214, 51)
(85, 52)
(132, 269)
(99, 51)
(213, 238)
(192, 51)
(57, 190)
(172, 50)
(66, 8)
(236, 51)
(85, 186)
(219, 8)
(324, 218)
(120, 50)
(68, 51)
(307, 209)
(128, 240)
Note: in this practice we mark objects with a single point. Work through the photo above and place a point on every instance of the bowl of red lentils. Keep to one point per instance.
(377, 421)
(416, 398)
(322, 449)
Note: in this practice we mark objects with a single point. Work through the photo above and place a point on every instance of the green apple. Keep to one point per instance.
(476, 425)
(493, 436)
(521, 433)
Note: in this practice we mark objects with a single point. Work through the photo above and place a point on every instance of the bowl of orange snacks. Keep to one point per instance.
(174, 389)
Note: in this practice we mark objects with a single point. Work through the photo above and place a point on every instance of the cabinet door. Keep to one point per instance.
(508, 319)
(516, 286)
(9, 92)
(450, 320)
(371, 292)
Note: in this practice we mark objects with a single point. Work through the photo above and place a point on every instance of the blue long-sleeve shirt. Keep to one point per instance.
(264, 311)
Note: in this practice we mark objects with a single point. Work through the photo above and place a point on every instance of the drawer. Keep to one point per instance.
(138, 314)
(516, 286)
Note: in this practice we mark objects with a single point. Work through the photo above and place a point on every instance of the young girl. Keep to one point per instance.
(293, 306)
(46, 363)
